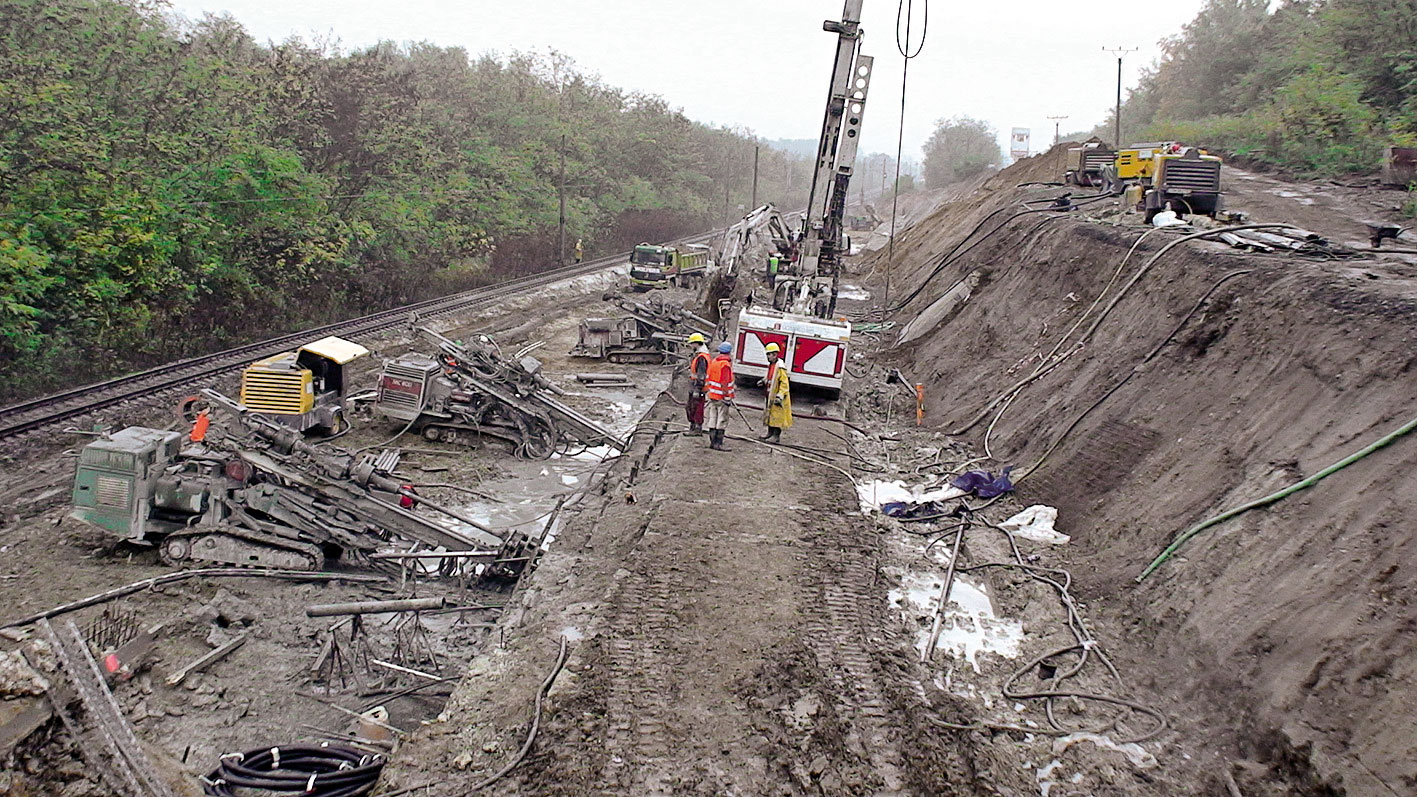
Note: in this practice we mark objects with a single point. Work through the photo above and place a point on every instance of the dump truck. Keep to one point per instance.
(305, 388)
(463, 392)
(653, 266)
(256, 494)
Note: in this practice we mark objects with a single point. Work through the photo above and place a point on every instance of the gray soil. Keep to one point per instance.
(265, 692)
(1281, 640)
(739, 623)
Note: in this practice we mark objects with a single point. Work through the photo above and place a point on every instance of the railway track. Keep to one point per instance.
(38, 413)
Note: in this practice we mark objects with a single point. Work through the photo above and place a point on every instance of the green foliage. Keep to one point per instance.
(960, 148)
(1317, 87)
(167, 189)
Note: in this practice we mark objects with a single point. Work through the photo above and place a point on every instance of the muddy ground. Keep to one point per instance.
(1266, 659)
(1280, 642)
(266, 692)
(750, 622)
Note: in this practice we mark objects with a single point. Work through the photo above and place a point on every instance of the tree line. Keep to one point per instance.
(1316, 87)
(169, 187)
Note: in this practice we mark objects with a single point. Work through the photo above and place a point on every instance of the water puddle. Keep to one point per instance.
(853, 293)
(1297, 197)
(970, 626)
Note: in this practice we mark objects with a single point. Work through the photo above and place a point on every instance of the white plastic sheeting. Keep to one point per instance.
(1036, 523)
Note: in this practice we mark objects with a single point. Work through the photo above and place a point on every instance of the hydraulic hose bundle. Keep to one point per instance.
(959, 249)
(323, 770)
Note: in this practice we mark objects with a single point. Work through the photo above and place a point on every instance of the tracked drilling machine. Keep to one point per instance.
(469, 390)
(256, 494)
(651, 332)
(801, 322)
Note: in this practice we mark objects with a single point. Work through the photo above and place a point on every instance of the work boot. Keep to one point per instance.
(713, 439)
(774, 434)
(696, 429)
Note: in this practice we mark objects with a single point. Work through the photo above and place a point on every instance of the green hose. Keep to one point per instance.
(1271, 498)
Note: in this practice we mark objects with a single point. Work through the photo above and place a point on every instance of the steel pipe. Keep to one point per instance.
(374, 607)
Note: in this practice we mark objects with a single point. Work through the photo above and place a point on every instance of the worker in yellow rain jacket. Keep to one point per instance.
(777, 411)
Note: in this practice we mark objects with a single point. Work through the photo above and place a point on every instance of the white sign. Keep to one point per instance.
(1018, 143)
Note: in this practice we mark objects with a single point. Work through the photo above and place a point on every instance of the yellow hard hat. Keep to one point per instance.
(773, 347)
(697, 338)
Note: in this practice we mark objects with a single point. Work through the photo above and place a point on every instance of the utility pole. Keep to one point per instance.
(757, 150)
(561, 193)
(1119, 52)
(1055, 120)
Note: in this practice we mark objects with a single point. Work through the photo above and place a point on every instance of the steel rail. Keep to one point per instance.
(47, 410)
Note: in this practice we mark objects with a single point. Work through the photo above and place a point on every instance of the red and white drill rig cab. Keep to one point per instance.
(814, 349)
(813, 341)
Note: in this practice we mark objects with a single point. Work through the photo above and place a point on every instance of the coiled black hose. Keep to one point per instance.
(323, 770)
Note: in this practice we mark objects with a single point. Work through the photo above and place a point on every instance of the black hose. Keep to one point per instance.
(323, 770)
(1135, 370)
(957, 252)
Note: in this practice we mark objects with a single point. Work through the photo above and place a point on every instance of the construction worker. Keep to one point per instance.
(777, 411)
(698, 372)
(719, 389)
(580, 251)
(774, 262)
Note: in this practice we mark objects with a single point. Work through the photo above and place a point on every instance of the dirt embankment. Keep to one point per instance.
(1283, 638)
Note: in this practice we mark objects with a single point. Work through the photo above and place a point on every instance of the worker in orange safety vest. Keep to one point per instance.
(698, 374)
(719, 391)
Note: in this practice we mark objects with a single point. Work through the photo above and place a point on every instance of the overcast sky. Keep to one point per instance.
(765, 64)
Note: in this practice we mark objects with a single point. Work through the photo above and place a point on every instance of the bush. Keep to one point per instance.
(1318, 125)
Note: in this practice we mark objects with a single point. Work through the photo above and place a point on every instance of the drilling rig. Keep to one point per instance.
(650, 332)
(469, 390)
(256, 494)
(804, 292)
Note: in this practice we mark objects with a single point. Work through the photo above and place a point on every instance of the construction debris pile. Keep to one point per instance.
(652, 331)
(257, 494)
(464, 391)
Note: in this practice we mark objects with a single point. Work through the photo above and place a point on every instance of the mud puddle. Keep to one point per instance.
(527, 491)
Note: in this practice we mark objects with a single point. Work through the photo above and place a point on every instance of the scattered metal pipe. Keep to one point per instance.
(210, 572)
(210, 658)
(602, 378)
(405, 670)
(435, 555)
(374, 607)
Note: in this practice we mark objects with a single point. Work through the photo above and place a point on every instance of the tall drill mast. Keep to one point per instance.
(822, 238)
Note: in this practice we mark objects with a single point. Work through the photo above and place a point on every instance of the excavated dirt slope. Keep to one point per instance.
(1283, 637)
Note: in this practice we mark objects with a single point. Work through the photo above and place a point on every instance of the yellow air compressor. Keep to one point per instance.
(304, 388)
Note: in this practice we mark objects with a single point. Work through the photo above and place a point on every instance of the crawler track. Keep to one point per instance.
(195, 372)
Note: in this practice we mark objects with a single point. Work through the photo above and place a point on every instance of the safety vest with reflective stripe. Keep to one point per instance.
(698, 367)
(720, 378)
